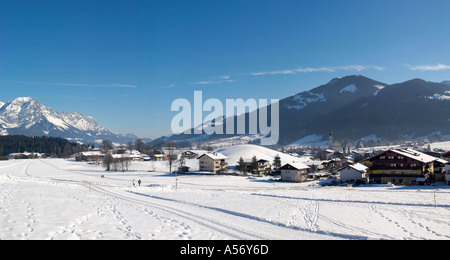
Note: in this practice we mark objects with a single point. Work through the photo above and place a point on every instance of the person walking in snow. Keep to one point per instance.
(134, 183)
(139, 182)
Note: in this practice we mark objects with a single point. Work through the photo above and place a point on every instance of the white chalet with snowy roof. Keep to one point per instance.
(294, 172)
(353, 173)
(212, 162)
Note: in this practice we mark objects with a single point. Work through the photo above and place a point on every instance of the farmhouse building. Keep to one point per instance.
(160, 157)
(294, 172)
(212, 162)
(401, 166)
(354, 173)
(90, 156)
(264, 167)
(26, 155)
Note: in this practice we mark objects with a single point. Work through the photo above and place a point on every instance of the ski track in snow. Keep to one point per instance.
(311, 213)
(107, 209)
(112, 205)
(172, 224)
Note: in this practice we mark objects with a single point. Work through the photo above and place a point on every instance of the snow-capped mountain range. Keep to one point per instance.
(28, 116)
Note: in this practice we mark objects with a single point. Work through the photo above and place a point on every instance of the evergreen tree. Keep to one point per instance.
(277, 162)
(68, 151)
(255, 164)
(242, 167)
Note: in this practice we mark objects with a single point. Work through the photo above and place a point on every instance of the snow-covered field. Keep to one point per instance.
(58, 199)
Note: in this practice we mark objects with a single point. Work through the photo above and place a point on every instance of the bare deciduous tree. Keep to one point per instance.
(170, 149)
(107, 146)
(139, 145)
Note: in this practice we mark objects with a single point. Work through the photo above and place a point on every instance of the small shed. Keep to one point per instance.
(421, 181)
(183, 169)
(159, 157)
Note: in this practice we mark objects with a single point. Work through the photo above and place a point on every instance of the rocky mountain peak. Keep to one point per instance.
(28, 116)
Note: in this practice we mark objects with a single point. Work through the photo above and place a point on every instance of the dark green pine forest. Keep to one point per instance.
(53, 146)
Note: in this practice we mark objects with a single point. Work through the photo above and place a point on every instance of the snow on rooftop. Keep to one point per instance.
(299, 165)
(359, 167)
(410, 153)
(199, 152)
(215, 156)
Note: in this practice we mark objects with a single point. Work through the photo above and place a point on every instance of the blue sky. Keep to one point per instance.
(124, 62)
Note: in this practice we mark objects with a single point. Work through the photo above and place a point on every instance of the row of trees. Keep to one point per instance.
(138, 145)
(116, 164)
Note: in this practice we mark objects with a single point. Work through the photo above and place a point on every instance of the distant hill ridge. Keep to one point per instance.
(357, 107)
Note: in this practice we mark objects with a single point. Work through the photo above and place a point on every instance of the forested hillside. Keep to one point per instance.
(54, 146)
